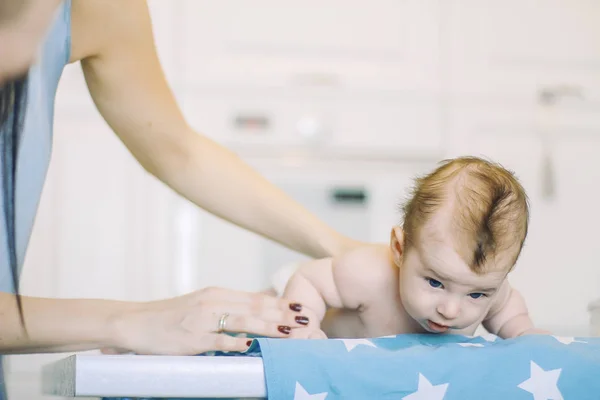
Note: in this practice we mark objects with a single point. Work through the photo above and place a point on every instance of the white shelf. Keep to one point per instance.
(155, 376)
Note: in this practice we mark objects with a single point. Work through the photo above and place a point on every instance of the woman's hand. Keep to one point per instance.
(308, 333)
(190, 324)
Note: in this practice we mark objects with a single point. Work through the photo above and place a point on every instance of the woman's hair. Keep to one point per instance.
(13, 103)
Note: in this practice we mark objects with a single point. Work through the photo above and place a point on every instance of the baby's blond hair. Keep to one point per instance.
(489, 206)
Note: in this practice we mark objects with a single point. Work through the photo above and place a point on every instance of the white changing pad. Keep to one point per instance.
(155, 376)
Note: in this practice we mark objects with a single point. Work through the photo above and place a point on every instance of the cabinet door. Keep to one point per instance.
(339, 124)
(112, 220)
(385, 44)
(96, 210)
(345, 76)
(571, 223)
(520, 47)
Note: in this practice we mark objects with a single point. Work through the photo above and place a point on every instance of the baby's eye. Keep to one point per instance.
(434, 283)
(476, 295)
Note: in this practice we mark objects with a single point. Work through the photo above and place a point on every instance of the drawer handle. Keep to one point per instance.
(251, 122)
(551, 95)
(350, 196)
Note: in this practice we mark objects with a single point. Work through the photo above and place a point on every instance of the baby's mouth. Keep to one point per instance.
(437, 327)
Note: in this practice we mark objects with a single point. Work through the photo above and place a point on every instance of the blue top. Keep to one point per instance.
(36, 139)
(35, 144)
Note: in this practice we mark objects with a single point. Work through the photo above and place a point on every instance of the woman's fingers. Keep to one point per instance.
(223, 342)
(255, 313)
(232, 318)
(242, 318)
(258, 301)
(241, 323)
(268, 315)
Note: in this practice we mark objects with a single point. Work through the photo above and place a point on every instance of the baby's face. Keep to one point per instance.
(439, 290)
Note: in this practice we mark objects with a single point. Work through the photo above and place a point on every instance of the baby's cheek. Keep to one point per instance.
(410, 284)
(415, 299)
(476, 311)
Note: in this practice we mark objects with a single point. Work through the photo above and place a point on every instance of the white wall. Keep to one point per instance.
(393, 85)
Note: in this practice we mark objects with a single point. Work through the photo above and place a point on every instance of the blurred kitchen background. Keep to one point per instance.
(341, 103)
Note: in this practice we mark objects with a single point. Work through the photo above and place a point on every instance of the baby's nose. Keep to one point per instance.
(449, 309)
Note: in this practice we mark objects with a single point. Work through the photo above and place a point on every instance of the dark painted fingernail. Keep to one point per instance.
(302, 320)
(284, 329)
(248, 343)
(295, 307)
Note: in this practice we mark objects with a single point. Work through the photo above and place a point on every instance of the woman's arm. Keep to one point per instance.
(55, 325)
(185, 325)
(127, 85)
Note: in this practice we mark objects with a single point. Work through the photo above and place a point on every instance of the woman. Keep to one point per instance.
(113, 40)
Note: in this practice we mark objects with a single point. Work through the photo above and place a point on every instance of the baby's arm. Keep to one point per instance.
(313, 286)
(341, 282)
(509, 316)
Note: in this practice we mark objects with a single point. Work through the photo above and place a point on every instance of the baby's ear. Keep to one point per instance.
(397, 244)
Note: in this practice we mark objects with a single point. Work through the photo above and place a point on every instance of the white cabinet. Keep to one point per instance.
(519, 47)
(570, 236)
(558, 272)
(381, 44)
(97, 210)
(366, 125)
(523, 84)
(352, 75)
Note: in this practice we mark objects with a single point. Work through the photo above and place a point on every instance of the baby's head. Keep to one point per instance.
(464, 228)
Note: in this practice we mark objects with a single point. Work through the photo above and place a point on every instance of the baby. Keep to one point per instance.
(445, 270)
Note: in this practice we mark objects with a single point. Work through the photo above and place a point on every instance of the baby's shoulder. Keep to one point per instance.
(363, 274)
(369, 264)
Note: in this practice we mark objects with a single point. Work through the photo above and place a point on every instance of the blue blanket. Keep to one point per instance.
(432, 367)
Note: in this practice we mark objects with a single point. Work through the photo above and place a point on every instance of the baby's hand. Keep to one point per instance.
(307, 333)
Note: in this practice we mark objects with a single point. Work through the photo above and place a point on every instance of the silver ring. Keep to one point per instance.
(222, 322)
